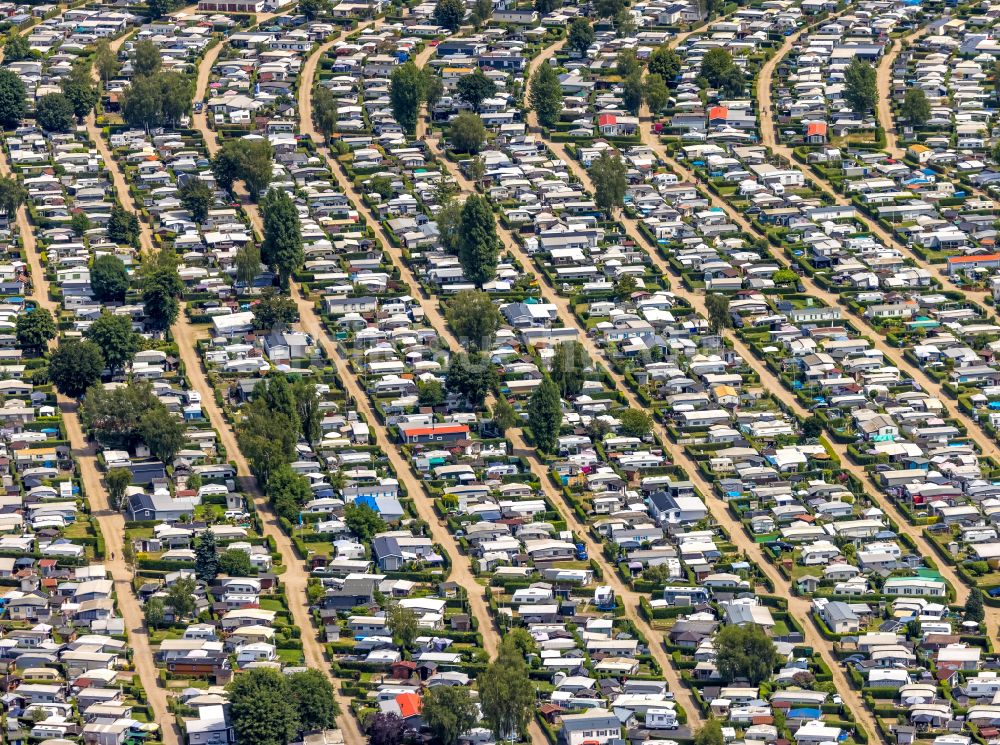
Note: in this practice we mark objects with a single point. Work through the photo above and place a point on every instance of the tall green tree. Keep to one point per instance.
(16, 48)
(406, 93)
(656, 93)
(206, 556)
(717, 306)
(479, 248)
(916, 109)
(247, 263)
(546, 96)
(313, 694)
(154, 613)
(79, 88)
(197, 197)
(547, 6)
(105, 60)
(161, 289)
(109, 279)
(474, 318)
(504, 415)
(54, 113)
(313, 9)
(324, 110)
(627, 64)
(710, 733)
(282, 247)
(117, 481)
(608, 174)
(123, 226)
(581, 35)
(146, 58)
(448, 712)
(307, 406)
(449, 13)
(13, 99)
(632, 90)
(403, 625)
(467, 133)
(163, 433)
(262, 707)
(545, 414)
(470, 376)
(665, 62)
(75, 366)
(116, 339)
(475, 88)
(974, 610)
(481, 12)
(364, 522)
(507, 694)
(745, 652)
(12, 196)
(247, 160)
(567, 369)
(274, 310)
(609, 8)
(860, 86)
(35, 328)
(180, 596)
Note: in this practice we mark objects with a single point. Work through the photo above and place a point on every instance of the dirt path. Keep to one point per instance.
(883, 78)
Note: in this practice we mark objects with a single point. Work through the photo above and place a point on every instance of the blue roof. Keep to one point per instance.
(366, 500)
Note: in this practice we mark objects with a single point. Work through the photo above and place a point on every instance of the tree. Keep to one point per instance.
(109, 279)
(13, 99)
(609, 8)
(569, 362)
(479, 247)
(624, 286)
(732, 82)
(35, 328)
(860, 86)
(608, 174)
(16, 48)
(475, 88)
(307, 406)
(116, 339)
(710, 733)
(449, 222)
(812, 426)
(54, 113)
(80, 223)
(206, 556)
(114, 415)
(474, 318)
(546, 96)
(547, 6)
(177, 93)
(744, 652)
(247, 263)
(627, 64)
(363, 521)
(432, 86)
(267, 439)
(507, 694)
(274, 310)
(282, 247)
(75, 366)
(581, 35)
(405, 95)
(471, 377)
(974, 606)
(105, 60)
(481, 12)
(142, 103)
(312, 693)
(79, 88)
(714, 65)
(146, 58)
(161, 288)
(656, 93)
(785, 277)
(197, 197)
(718, 312)
(403, 625)
(545, 414)
(916, 108)
(467, 133)
(180, 596)
(288, 491)
(386, 728)
(12, 196)
(430, 392)
(504, 416)
(665, 62)
(163, 433)
(123, 226)
(262, 707)
(635, 423)
(448, 712)
(624, 22)
(324, 111)
(236, 563)
(154, 612)
(449, 13)
(381, 185)
(313, 9)
(632, 93)
(247, 160)
(159, 8)
(117, 481)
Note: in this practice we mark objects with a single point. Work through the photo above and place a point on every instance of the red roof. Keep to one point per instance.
(718, 112)
(972, 259)
(606, 119)
(409, 704)
(816, 128)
